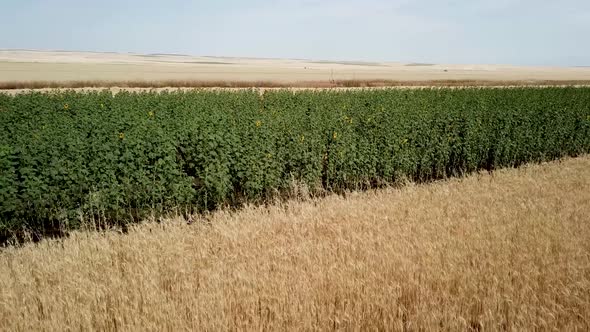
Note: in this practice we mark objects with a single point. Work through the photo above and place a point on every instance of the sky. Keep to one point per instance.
(519, 32)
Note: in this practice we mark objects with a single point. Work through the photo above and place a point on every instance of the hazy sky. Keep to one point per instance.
(523, 32)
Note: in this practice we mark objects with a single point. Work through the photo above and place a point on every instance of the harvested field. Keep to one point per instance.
(33, 69)
(502, 251)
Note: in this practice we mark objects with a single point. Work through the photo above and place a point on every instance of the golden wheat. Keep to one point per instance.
(502, 251)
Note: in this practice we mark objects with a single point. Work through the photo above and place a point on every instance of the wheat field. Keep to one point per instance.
(503, 251)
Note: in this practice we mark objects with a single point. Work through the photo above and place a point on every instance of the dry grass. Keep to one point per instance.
(508, 251)
(12, 85)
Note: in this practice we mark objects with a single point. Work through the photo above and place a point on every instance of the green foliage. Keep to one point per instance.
(70, 157)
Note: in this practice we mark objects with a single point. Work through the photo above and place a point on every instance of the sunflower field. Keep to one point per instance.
(70, 158)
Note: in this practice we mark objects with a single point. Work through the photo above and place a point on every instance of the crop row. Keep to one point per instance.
(70, 157)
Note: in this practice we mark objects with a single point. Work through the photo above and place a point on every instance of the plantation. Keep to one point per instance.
(70, 157)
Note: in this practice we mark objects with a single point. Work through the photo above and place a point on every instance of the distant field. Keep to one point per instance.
(502, 251)
(48, 69)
